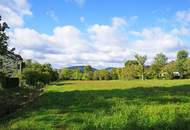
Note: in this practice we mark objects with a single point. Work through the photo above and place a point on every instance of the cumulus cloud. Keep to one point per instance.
(117, 22)
(156, 40)
(13, 11)
(184, 31)
(100, 45)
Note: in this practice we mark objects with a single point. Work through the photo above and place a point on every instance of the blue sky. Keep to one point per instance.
(101, 33)
(101, 11)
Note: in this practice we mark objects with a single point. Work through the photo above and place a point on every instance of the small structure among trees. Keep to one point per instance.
(10, 63)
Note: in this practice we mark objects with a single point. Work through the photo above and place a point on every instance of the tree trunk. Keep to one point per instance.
(143, 72)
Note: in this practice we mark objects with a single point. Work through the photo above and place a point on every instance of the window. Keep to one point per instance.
(1, 64)
(18, 66)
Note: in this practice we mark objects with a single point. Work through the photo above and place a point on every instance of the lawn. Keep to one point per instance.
(88, 105)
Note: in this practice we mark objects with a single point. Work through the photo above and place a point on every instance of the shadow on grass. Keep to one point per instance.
(61, 83)
(13, 99)
(159, 95)
(91, 101)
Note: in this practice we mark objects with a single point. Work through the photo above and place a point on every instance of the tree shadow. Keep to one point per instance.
(12, 99)
(91, 101)
(61, 83)
(159, 95)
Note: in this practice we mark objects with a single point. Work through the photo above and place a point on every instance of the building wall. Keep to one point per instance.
(9, 66)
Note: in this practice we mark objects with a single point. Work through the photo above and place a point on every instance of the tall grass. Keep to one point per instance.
(75, 105)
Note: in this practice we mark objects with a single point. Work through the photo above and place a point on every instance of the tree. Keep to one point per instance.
(35, 73)
(131, 70)
(187, 68)
(131, 62)
(77, 74)
(3, 38)
(88, 73)
(114, 74)
(159, 61)
(168, 70)
(141, 61)
(182, 56)
(96, 75)
(102, 75)
(3, 48)
(65, 74)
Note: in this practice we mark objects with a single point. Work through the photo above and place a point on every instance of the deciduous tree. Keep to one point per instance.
(141, 61)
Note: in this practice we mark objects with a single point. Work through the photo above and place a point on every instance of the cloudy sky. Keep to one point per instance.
(101, 33)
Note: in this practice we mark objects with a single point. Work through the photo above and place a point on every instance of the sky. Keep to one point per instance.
(100, 33)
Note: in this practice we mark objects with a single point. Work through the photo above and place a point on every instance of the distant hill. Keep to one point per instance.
(81, 68)
(109, 68)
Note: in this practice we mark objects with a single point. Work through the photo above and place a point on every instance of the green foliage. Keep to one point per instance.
(70, 74)
(180, 62)
(141, 61)
(88, 73)
(167, 70)
(131, 70)
(187, 69)
(102, 75)
(159, 61)
(114, 74)
(3, 48)
(135, 69)
(130, 63)
(34, 73)
(65, 74)
(76, 73)
(182, 55)
(106, 105)
(3, 38)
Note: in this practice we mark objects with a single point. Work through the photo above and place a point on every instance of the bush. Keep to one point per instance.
(2, 79)
(31, 77)
(35, 74)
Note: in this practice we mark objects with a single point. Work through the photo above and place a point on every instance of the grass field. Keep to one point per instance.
(133, 105)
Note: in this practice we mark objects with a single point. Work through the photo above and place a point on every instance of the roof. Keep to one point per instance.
(14, 56)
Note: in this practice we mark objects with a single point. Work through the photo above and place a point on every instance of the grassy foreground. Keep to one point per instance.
(155, 104)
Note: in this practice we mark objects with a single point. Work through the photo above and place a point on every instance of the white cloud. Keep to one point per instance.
(117, 21)
(99, 46)
(181, 31)
(30, 39)
(109, 41)
(10, 16)
(13, 11)
(183, 16)
(68, 45)
(155, 40)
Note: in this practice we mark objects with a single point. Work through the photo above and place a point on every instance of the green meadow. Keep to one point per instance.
(104, 105)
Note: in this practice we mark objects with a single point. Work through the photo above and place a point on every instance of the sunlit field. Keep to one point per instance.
(76, 105)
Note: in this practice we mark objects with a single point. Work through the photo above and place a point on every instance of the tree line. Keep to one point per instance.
(135, 69)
